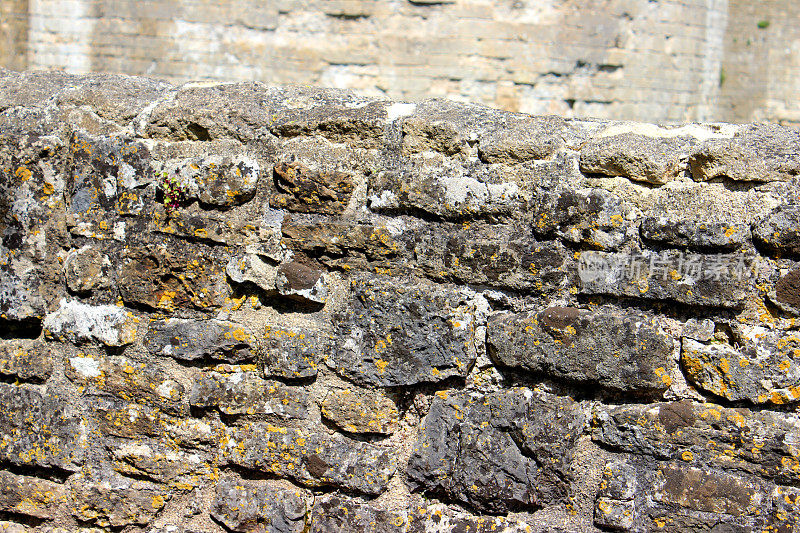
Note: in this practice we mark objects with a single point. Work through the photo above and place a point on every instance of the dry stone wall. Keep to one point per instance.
(232, 307)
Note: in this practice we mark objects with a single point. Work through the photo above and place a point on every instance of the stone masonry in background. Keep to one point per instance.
(233, 307)
(648, 60)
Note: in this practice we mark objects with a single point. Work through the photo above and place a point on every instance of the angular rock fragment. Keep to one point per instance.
(30, 496)
(395, 332)
(722, 280)
(340, 239)
(160, 460)
(246, 506)
(251, 268)
(765, 370)
(77, 322)
(304, 190)
(496, 453)
(622, 351)
(312, 459)
(302, 283)
(87, 269)
(361, 411)
(293, 353)
(709, 234)
(655, 160)
(40, 430)
(786, 294)
(244, 393)
(706, 436)
(189, 340)
(780, 230)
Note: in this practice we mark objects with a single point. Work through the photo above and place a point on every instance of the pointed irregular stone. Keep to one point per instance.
(361, 411)
(188, 340)
(780, 230)
(77, 322)
(655, 160)
(499, 452)
(30, 496)
(217, 180)
(706, 435)
(293, 353)
(765, 370)
(243, 505)
(394, 332)
(244, 393)
(40, 430)
(311, 459)
(622, 351)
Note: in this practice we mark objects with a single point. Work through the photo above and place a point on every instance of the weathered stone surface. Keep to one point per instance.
(189, 340)
(695, 233)
(780, 230)
(610, 348)
(615, 507)
(293, 353)
(30, 496)
(336, 512)
(765, 369)
(244, 393)
(221, 181)
(125, 378)
(757, 152)
(165, 278)
(394, 332)
(787, 292)
(340, 239)
(305, 190)
(534, 138)
(248, 505)
(785, 510)
(302, 283)
(706, 491)
(107, 504)
(441, 187)
(312, 459)
(361, 411)
(40, 430)
(252, 268)
(161, 461)
(26, 360)
(655, 160)
(593, 217)
(500, 452)
(77, 322)
(499, 257)
(86, 269)
(705, 435)
(722, 280)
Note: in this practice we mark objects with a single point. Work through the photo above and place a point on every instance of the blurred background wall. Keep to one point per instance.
(654, 60)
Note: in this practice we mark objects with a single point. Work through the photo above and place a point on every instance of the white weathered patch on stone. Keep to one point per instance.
(86, 367)
(387, 199)
(78, 322)
(253, 269)
(698, 131)
(398, 110)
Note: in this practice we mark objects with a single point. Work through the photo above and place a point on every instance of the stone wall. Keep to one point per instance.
(664, 60)
(228, 307)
